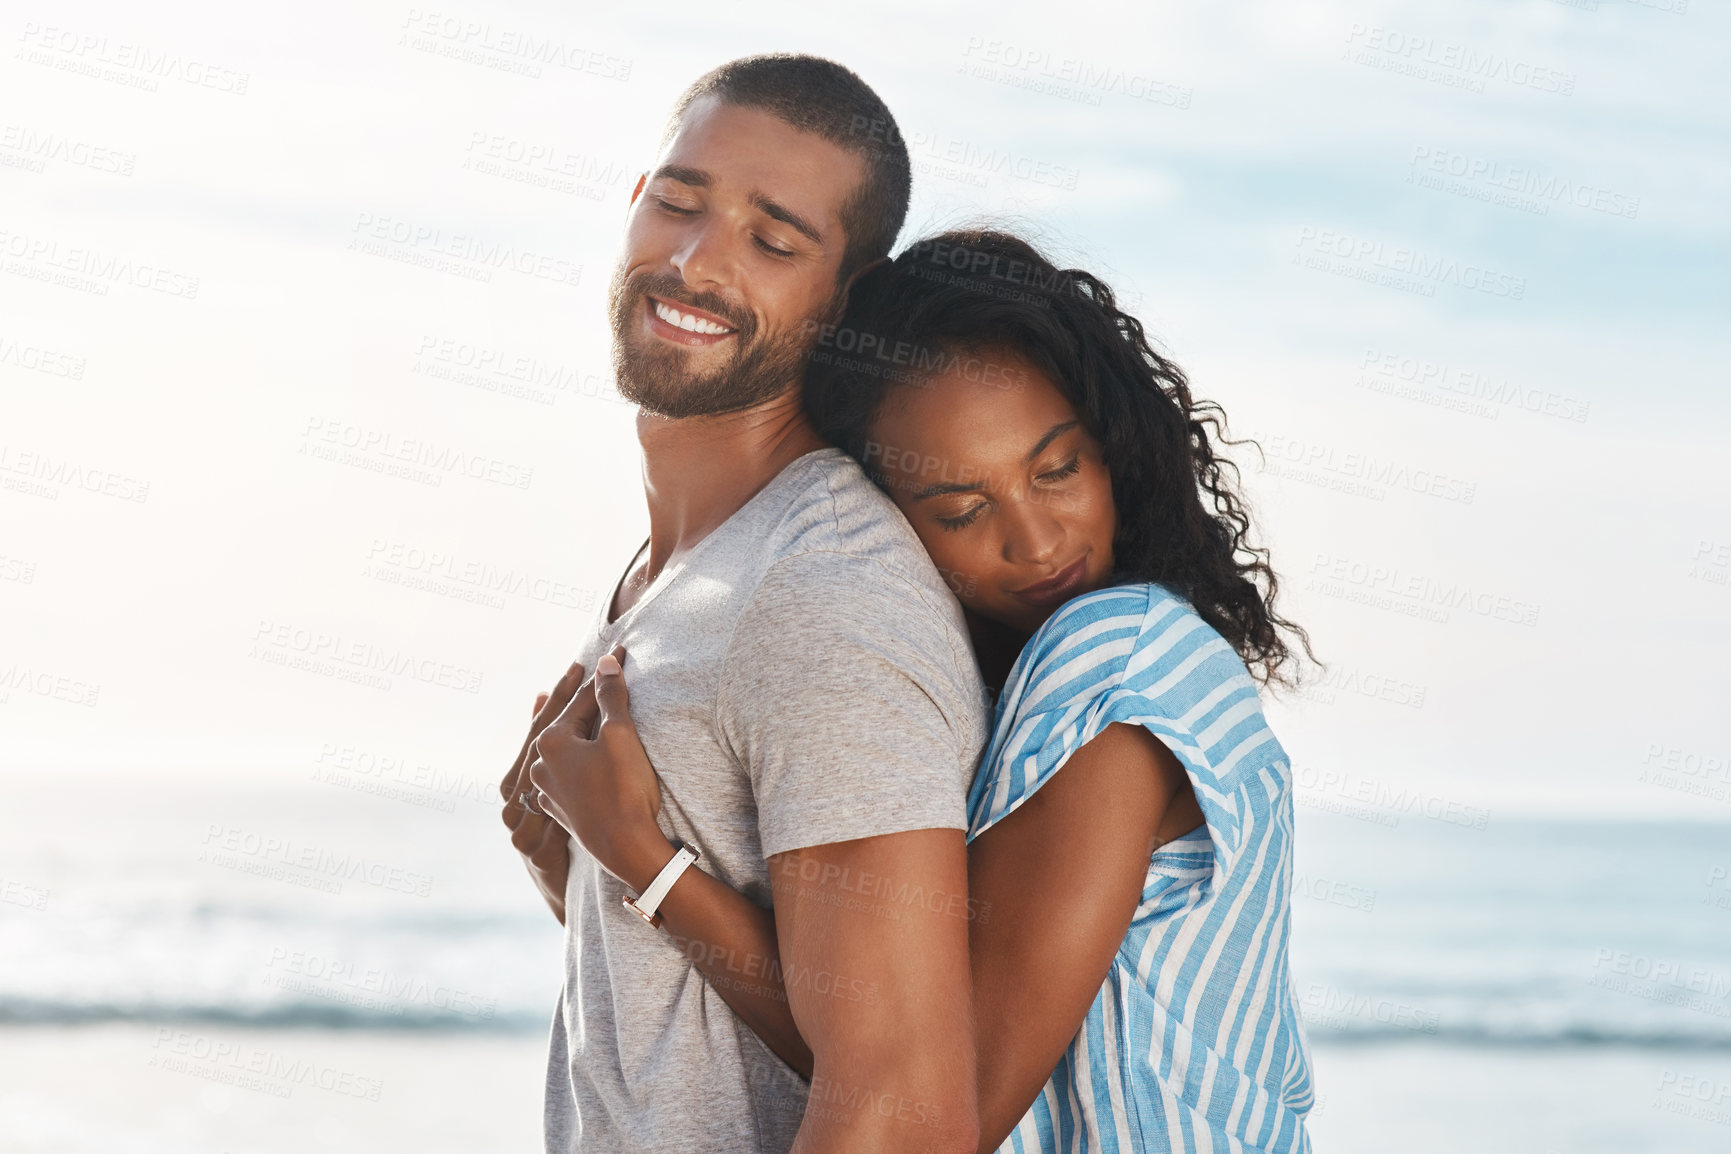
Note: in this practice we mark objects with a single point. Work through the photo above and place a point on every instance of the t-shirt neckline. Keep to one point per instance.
(672, 572)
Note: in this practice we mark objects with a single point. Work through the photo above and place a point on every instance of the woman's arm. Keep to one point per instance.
(733, 944)
(599, 784)
(1055, 886)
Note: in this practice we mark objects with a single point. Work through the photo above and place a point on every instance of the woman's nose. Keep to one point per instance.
(1035, 532)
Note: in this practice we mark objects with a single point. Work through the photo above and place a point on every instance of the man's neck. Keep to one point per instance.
(699, 471)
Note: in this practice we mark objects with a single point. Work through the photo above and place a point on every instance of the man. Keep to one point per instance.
(800, 675)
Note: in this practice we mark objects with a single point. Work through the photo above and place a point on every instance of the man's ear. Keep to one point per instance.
(642, 179)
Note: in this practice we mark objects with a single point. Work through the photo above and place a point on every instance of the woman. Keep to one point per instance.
(1130, 824)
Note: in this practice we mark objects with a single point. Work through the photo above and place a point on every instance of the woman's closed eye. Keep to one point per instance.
(1063, 472)
(1050, 477)
(963, 520)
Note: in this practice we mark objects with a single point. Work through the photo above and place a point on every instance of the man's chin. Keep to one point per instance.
(678, 382)
(674, 394)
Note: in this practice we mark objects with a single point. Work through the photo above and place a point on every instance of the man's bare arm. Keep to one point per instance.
(873, 937)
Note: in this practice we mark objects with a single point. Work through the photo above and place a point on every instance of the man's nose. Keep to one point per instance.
(702, 257)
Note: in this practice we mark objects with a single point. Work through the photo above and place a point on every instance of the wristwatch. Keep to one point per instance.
(645, 904)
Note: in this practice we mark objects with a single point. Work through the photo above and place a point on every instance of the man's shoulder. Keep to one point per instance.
(832, 506)
(839, 566)
(840, 533)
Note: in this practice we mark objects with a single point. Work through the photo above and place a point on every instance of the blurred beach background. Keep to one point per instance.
(312, 473)
(362, 968)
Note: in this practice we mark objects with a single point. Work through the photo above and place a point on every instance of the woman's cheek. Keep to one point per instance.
(1100, 511)
(958, 573)
(954, 561)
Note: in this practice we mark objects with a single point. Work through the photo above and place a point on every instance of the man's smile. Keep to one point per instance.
(686, 325)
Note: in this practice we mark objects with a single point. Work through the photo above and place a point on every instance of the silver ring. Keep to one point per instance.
(527, 799)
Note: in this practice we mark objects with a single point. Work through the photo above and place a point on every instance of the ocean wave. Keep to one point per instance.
(1573, 1036)
(204, 911)
(322, 1015)
(285, 1015)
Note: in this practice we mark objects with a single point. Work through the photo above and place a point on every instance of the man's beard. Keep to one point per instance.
(654, 375)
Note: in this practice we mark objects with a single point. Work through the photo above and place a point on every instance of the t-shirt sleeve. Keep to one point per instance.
(852, 702)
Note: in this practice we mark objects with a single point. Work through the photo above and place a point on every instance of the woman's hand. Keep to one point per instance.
(600, 786)
(546, 849)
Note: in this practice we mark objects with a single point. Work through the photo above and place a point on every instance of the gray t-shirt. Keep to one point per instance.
(801, 677)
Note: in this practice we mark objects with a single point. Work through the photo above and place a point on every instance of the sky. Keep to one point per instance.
(304, 363)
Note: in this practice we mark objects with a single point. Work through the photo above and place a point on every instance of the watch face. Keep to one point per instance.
(630, 903)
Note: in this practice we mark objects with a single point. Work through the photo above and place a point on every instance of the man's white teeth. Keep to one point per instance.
(688, 322)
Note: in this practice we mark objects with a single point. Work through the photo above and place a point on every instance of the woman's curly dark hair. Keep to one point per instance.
(1181, 519)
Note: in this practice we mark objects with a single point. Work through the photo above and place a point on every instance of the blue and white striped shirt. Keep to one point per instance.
(1194, 1041)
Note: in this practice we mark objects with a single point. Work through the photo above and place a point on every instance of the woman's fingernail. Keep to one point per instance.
(608, 666)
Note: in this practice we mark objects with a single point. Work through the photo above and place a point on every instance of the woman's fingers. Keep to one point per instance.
(561, 738)
(551, 704)
(540, 702)
(577, 719)
(511, 786)
(541, 778)
(552, 850)
(531, 827)
(612, 697)
(526, 835)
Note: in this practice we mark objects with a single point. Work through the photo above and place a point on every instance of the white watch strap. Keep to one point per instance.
(650, 900)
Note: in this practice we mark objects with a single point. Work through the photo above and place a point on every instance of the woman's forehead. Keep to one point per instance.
(977, 391)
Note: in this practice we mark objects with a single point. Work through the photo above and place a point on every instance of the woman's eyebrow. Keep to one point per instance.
(1052, 434)
(944, 489)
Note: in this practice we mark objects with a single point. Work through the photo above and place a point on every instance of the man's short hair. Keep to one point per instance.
(822, 97)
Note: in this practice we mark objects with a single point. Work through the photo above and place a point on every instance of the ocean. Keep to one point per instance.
(358, 961)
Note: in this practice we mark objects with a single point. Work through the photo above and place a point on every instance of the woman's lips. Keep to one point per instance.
(1059, 587)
